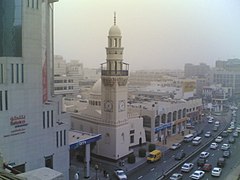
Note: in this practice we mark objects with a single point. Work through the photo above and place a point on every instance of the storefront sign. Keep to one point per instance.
(162, 126)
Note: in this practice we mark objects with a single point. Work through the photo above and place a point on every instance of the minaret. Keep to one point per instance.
(114, 80)
(114, 125)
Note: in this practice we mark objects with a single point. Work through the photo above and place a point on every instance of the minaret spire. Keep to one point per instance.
(114, 18)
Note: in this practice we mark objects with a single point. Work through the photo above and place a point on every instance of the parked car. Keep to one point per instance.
(219, 139)
(120, 174)
(226, 154)
(225, 146)
(207, 167)
(221, 162)
(198, 174)
(201, 162)
(208, 134)
(216, 171)
(204, 154)
(175, 146)
(176, 176)
(180, 155)
(213, 145)
(231, 139)
(187, 167)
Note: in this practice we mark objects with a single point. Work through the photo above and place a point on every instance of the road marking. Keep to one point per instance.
(152, 169)
(212, 154)
(140, 177)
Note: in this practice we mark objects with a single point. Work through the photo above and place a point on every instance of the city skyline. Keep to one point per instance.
(156, 32)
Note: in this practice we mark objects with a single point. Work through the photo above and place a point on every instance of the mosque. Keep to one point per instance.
(107, 111)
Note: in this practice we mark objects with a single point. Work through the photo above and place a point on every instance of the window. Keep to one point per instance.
(49, 162)
(37, 4)
(33, 3)
(12, 73)
(1, 73)
(132, 139)
(48, 119)
(132, 131)
(17, 72)
(11, 28)
(6, 100)
(51, 118)
(57, 138)
(28, 3)
(1, 108)
(22, 73)
(60, 138)
(64, 137)
(43, 119)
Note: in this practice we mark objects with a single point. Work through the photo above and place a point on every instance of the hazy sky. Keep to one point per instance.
(156, 34)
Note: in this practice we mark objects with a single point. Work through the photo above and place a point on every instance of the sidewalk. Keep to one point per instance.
(177, 138)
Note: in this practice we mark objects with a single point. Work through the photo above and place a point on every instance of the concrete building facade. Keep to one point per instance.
(34, 129)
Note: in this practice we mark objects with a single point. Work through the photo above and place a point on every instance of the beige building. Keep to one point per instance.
(107, 112)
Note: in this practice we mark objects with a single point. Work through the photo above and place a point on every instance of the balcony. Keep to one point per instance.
(114, 72)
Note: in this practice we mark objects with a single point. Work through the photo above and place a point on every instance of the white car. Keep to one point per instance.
(238, 129)
(176, 176)
(197, 174)
(225, 147)
(214, 145)
(204, 154)
(219, 139)
(235, 134)
(175, 146)
(120, 174)
(210, 120)
(216, 171)
(187, 167)
(208, 134)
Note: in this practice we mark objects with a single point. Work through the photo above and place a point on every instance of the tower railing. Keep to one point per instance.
(114, 72)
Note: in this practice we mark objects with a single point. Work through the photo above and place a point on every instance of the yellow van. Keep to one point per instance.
(154, 156)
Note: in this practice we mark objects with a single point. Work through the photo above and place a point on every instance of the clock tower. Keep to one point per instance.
(114, 78)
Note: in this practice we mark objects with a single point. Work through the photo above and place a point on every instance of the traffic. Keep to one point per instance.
(200, 156)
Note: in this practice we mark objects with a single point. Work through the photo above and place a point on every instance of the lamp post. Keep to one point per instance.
(96, 168)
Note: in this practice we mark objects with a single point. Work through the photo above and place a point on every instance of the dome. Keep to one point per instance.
(96, 89)
(114, 31)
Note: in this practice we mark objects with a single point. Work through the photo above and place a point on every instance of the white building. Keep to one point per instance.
(107, 112)
(34, 129)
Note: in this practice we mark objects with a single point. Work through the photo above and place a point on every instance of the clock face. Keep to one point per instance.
(121, 105)
(108, 106)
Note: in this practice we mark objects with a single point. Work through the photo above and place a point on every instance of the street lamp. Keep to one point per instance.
(96, 168)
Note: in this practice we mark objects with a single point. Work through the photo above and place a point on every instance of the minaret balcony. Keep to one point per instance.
(114, 72)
